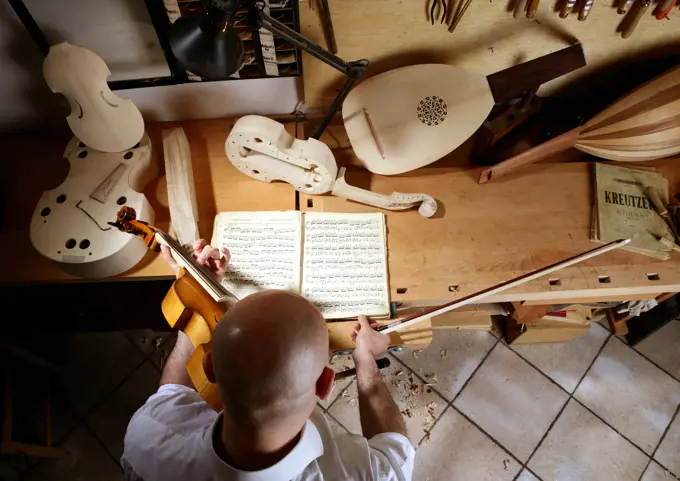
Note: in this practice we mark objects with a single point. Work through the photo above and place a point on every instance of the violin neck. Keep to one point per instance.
(200, 273)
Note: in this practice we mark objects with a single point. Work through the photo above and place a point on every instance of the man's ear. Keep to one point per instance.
(208, 367)
(324, 384)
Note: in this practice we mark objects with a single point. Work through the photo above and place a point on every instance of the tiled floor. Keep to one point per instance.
(476, 409)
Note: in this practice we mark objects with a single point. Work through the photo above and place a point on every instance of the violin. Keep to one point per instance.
(195, 302)
(99, 118)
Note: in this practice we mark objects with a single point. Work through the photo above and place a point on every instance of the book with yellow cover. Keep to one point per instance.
(622, 210)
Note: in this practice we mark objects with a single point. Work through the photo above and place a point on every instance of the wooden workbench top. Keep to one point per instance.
(34, 163)
(488, 39)
(486, 234)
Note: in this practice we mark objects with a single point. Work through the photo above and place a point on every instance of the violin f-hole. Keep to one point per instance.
(80, 115)
(101, 93)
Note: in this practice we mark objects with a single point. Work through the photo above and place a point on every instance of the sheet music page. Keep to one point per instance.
(265, 250)
(344, 262)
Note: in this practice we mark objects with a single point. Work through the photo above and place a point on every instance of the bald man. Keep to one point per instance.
(270, 361)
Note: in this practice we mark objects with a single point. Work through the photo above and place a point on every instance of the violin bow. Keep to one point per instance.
(126, 221)
(479, 295)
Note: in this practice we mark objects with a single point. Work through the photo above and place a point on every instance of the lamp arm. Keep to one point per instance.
(353, 70)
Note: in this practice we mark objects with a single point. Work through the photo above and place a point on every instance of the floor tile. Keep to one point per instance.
(668, 453)
(511, 401)
(567, 362)
(655, 472)
(420, 405)
(662, 348)
(147, 340)
(84, 459)
(458, 450)
(452, 357)
(581, 447)
(160, 355)
(338, 363)
(110, 421)
(527, 475)
(630, 393)
(97, 363)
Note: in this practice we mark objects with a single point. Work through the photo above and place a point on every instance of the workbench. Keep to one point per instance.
(481, 235)
(392, 34)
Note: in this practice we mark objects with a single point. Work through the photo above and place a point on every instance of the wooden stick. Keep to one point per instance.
(531, 156)
(477, 296)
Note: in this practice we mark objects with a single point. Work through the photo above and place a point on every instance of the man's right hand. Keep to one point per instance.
(369, 342)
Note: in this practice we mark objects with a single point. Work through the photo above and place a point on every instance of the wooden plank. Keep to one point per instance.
(32, 163)
(486, 234)
(179, 176)
(488, 39)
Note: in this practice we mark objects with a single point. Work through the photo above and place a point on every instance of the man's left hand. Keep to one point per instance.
(205, 255)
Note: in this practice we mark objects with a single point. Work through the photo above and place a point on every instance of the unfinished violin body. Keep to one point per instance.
(99, 118)
(262, 149)
(70, 223)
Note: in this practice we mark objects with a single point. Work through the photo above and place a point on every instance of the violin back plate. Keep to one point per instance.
(99, 118)
(410, 117)
(643, 125)
(70, 223)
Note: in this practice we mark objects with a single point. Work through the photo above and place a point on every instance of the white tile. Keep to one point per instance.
(655, 472)
(420, 405)
(338, 363)
(336, 428)
(511, 401)
(109, 422)
(630, 393)
(83, 459)
(458, 450)
(527, 475)
(567, 362)
(662, 348)
(668, 453)
(581, 447)
(452, 357)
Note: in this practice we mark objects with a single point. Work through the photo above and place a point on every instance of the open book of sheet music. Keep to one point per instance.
(337, 261)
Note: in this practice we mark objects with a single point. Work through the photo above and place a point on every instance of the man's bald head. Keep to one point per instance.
(268, 351)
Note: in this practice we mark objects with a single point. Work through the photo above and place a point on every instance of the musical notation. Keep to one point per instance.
(265, 250)
(344, 269)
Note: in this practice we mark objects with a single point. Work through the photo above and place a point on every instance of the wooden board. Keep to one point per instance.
(486, 234)
(32, 163)
(488, 39)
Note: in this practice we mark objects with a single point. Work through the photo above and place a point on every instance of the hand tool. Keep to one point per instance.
(533, 6)
(520, 8)
(635, 18)
(664, 9)
(567, 7)
(585, 9)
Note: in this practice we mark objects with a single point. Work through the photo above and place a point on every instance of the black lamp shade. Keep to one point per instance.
(207, 45)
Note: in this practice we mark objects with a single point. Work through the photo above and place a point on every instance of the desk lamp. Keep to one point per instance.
(208, 44)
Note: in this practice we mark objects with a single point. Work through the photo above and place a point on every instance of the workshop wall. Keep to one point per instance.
(120, 31)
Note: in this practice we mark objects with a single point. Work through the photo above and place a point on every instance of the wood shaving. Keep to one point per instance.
(428, 439)
(352, 402)
(399, 372)
(506, 463)
(443, 353)
(416, 353)
(345, 394)
(157, 342)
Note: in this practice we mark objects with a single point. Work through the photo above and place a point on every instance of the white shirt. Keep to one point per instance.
(171, 438)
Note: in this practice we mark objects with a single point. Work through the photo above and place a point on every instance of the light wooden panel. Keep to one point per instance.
(486, 234)
(32, 163)
(488, 39)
